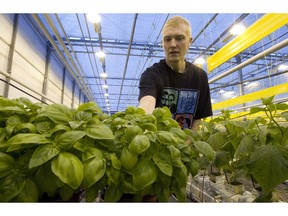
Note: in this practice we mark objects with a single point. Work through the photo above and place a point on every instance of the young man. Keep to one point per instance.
(174, 75)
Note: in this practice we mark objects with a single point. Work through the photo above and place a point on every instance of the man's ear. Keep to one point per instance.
(190, 40)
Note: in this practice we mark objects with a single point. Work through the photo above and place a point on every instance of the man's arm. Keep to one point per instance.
(147, 103)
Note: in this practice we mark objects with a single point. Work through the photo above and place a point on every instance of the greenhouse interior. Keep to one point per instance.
(71, 129)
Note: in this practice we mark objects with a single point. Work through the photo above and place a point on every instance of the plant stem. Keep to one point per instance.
(252, 180)
(226, 177)
(270, 116)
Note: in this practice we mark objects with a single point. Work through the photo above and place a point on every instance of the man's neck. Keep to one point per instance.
(178, 66)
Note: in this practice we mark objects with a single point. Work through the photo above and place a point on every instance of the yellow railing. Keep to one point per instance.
(268, 92)
(257, 31)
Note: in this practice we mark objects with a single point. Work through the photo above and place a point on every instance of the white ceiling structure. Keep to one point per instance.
(132, 42)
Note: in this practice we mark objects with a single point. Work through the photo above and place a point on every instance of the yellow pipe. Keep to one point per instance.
(257, 31)
(275, 90)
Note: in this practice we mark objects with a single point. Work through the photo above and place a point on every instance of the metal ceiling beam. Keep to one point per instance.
(112, 78)
(204, 28)
(128, 55)
(157, 48)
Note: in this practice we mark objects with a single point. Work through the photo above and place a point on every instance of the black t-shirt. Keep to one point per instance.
(186, 94)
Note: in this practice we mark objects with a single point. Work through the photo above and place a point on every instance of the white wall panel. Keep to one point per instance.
(2, 84)
(28, 65)
(26, 73)
(29, 45)
(54, 93)
(68, 90)
(4, 51)
(55, 72)
(15, 92)
(5, 38)
(67, 101)
(6, 21)
(76, 98)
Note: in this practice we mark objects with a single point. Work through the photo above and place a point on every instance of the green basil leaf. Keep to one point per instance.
(10, 187)
(94, 169)
(29, 193)
(194, 167)
(116, 163)
(166, 138)
(27, 138)
(113, 174)
(26, 128)
(100, 132)
(67, 139)
(82, 116)
(68, 168)
(13, 121)
(148, 126)
(179, 191)
(59, 113)
(22, 164)
(181, 175)
(144, 174)
(128, 159)
(90, 153)
(164, 194)
(66, 193)
(164, 163)
(42, 154)
(174, 152)
(131, 131)
(46, 180)
(113, 193)
(139, 144)
(10, 110)
(89, 107)
(6, 164)
(44, 127)
(179, 133)
(148, 118)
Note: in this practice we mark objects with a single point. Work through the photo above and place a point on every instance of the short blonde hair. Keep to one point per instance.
(178, 20)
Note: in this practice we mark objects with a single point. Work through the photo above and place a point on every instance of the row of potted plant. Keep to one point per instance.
(52, 152)
(254, 148)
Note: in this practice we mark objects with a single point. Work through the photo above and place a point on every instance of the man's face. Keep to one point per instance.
(176, 43)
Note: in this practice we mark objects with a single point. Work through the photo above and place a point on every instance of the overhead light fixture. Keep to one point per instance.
(105, 86)
(106, 95)
(103, 75)
(200, 60)
(282, 67)
(237, 29)
(94, 17)
(100, 54)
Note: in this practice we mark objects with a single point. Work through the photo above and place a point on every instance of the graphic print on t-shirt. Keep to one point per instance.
(169, 99)
(182, 104)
